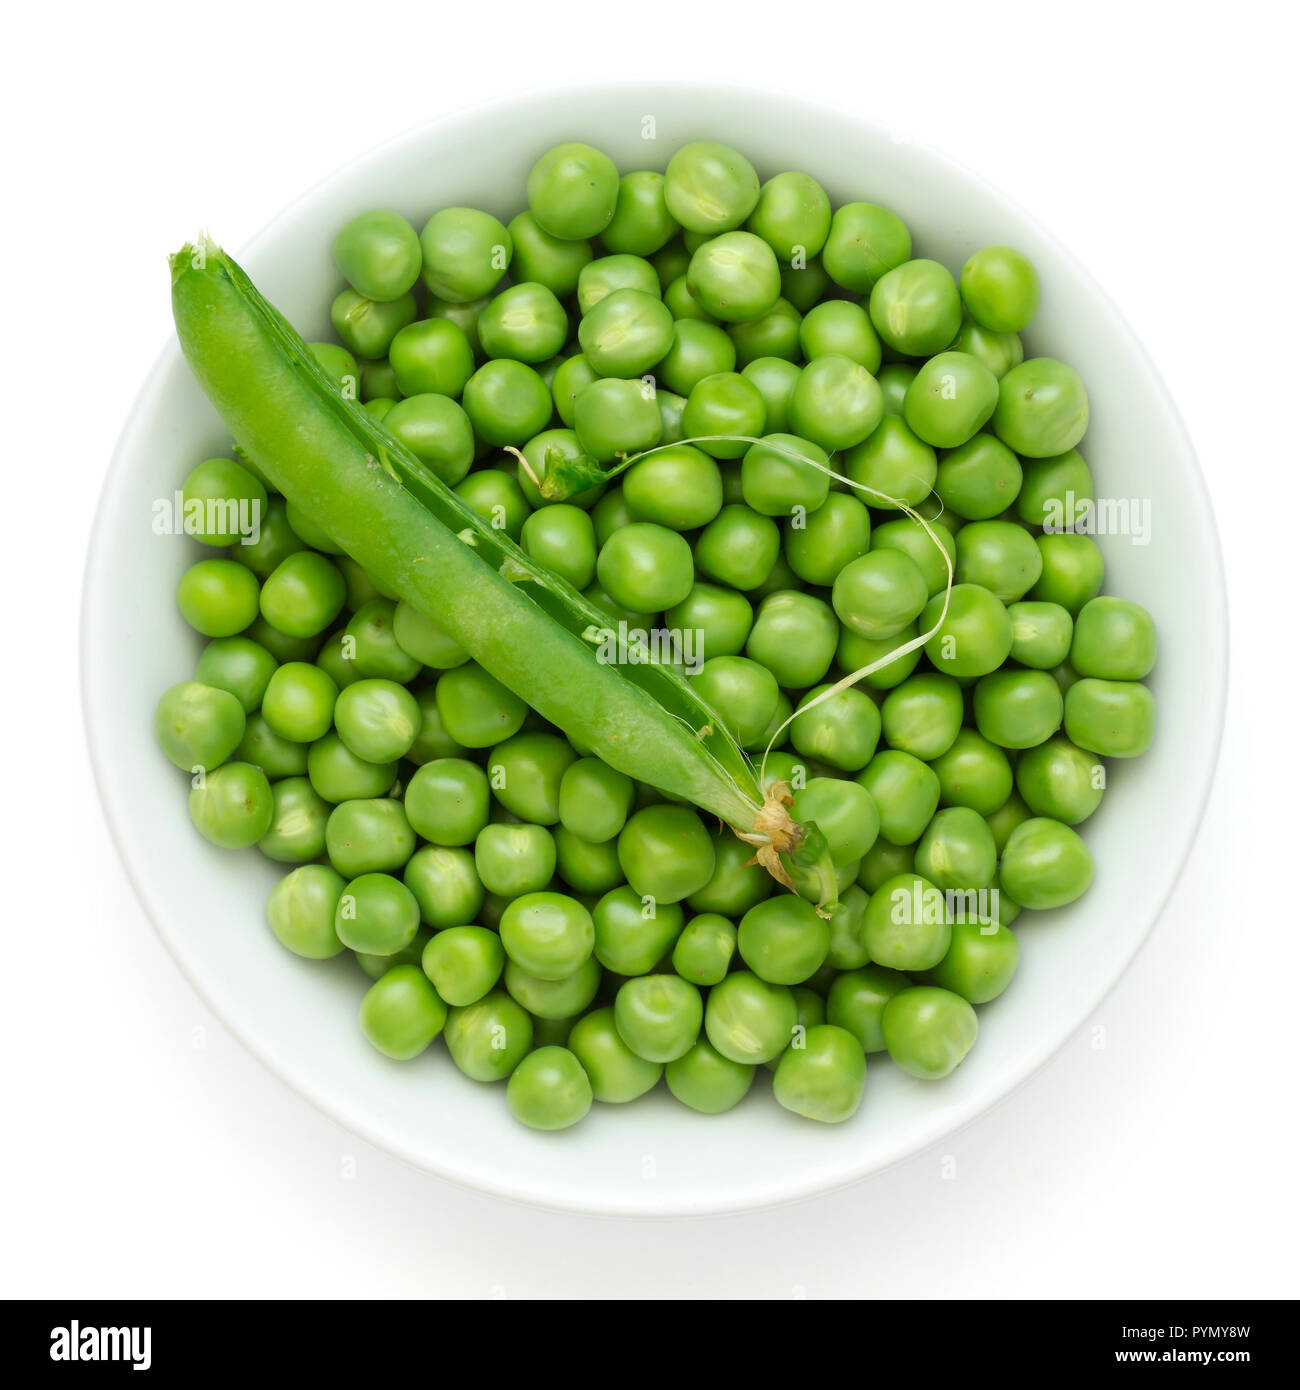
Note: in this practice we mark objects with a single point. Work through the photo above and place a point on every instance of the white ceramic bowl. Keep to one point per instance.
(654, 1157)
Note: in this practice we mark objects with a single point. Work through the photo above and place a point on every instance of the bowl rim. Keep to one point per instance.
(94, 620)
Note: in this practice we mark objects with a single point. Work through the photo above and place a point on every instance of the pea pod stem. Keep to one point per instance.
(525, 626)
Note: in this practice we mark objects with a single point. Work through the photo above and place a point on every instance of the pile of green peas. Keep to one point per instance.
(831, 427)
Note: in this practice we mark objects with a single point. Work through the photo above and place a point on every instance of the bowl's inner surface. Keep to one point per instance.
(655, 1156)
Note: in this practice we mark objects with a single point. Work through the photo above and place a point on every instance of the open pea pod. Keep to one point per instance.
(523, 624)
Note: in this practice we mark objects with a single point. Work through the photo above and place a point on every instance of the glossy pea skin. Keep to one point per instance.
(916, 308)
(743, 692)
(864, 243)
(232, 806)
(514, 859)
(422, 640)
(842, 327)
(1114, 718)
(377, 914)
(1072, 571)
(836, 403)
(1041, 634)
(303, 595)
(297, 831)
(928, 1030)
(608, 274)
(446, 885)
(735, 277)
(466, 252)
(438, 431)
(856, 1001)
(794, 636)
(378, 254)
(894, 378)
(892, 465)
(1114, 640)
(337, 774)
(572, 191)
(489, 1038)
(724, 412)
(218, 598)
(847, 950)
(666, 853)
(782, 474)
(1000, 557)
(593, 800)
(906, 793)
(658, 1016)
(641, 224)
(401, 1013)
(625, 333)
(447, 801)
(634, 933)
(198, 725)
(1045, 864)
(842, 730)
(709, 187)
(645, 567)
(368, 836)
(706, 1081)
(738, 547)
(275, 540)
(883, 661)
(774, 378)
(678, 487)
(507, 403)
(737, 883)
(616, 1073)
(879, 594)
(783, 940)
(464, 963)
(375, 650)
(1060, 781)
(844, 812)
(975, 636)
(923, 715)
(549, 934)
(722, 618)
(1000, 289)
(265, 749)
(957, 850)
(950, 399)
(974, 772)
(980, 478)
(526, 773)
(614, 418)
(998, 351)
(299, 701)
(1017, 709)
(554, 1000)
(1005, 819)
(774, 335)
(300, 911)
(793, 215)
(704, 951)
(526, 323)
(698, 350)
(544, 259)
(339, 365)
(907, 925)
(431, 356)
(225, 499)
(980, 962)
(238, 666)
(571, 378)
(883, 861)
(377, 719)
(928, 544)
(549, 1090)
(827, 539)
(367, 326)
(748, 1020)
(1054, 489)
(823, 1079)
(476, 709)
(1042, 408)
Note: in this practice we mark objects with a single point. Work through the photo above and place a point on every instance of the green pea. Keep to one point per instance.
(572, 191)
(378, 254)
(463, 963)
(641, 224)
(447, 801)
(337, 774)
(614, 418)
(401, 1013)
(232, 805)
(544, 259)
(587, 867)
(893, 379)
(783, 940)
(297, 830)
(1114, 640)
(856, 653)
(820, 544)
(678, 487)
(783, 475)
(376, 652)
(198, 725)
(1072, 573)
(1017, 709)
(980, 962)
(705, 949)
(379, 389)
(706, 1081)
(973, 772)
(1000, 556)
(845, 812)
(224, 503)
(1060, 781)
(526, 773)
(774, 378)
(514, 859)
(842, 730)
(957, 850)
(275, 540)
(928, 1031)
(879, 594)
(368, 326)
(906, 793)
(923, 715)
(617, 1074)
(1041, 634)
(916, 308)
(724, 412)
(671, 408)
(735, 277)
(1000, 289)
(698, 350)
(377, 719)
(1053, 489)
(645, 567)
(339, 365)
(377, 914)
(476, 709)
(865, 242)
(423, 641)
(218, 597)
(368, 836)
(438, 432)
(793, 215)
(308, 531)
(975, 635)
(562, 538)
(549, 1089)
(743, 692)
(666, 853)
(547, 449)
(709, 187)
(554, 999)
(856, 1003)
(303, 595)
(951, 397)
(300, 701)
(681, 302)
(907, 924)
(625, 333)
(572, 377)
(1045, 864)
(847, 950)
(748, 1020)
(794, 637)
(823, 1078)
(593, 800)
(774, 335)
(507, 402)
(842, 327)
(1005, 819)
(998, 351)
(466, 252)
(300, 911)
(1114, 718)
(836, 403)
(979, 479)
(1042, 408)
(489, 1038)
(526, 323)
(634, 933)
(264, 748)
(883, 861)
(446, 885)
(737, 882)
(464, 315)
(658, 1016)
(892, 464)
(548, 934)
(721, 618)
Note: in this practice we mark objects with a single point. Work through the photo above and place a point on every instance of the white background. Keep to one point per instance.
(145, 1153)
